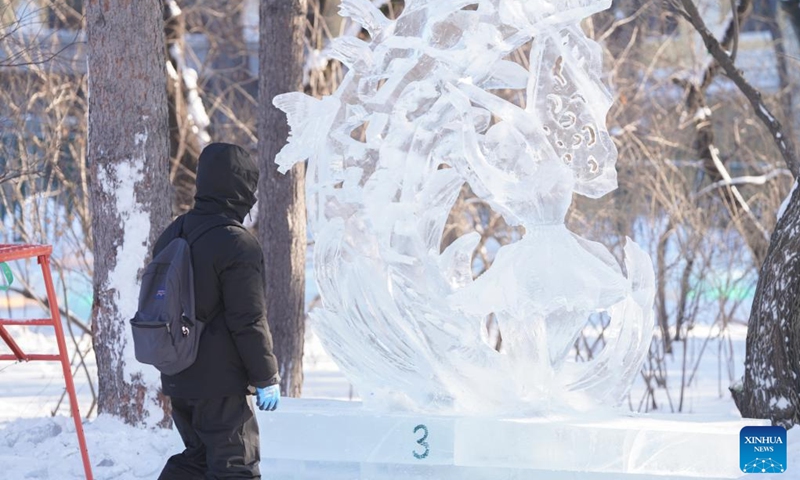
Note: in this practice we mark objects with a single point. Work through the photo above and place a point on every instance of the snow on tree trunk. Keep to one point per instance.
(771, 386)
(282, 210)
(130, 193)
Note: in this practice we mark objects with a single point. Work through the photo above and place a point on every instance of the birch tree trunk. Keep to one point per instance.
(130, 194)
(281, 206)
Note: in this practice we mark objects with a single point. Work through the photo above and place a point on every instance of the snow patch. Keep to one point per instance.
(48, 448)
(766, 113)
(780, 403)
(785, 203)
(196, 111)
(702, 114)
(174, 9)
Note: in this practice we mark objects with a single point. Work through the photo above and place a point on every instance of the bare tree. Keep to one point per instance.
(772, 366)
(43, 173)
(129, 157)
(281, 208)
(232, 86)
(674, 198)
(188, 120)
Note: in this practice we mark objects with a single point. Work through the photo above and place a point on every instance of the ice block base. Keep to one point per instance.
(332, 440)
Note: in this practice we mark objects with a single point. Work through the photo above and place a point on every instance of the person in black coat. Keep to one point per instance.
(211, 406)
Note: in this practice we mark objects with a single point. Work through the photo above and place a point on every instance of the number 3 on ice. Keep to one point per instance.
(422, 442)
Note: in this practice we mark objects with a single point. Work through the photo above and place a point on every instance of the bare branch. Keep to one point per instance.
(27, 292)
(784, 143)
(745, 180)
(726, 177)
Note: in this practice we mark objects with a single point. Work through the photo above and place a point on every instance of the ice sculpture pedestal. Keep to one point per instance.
(333, 440)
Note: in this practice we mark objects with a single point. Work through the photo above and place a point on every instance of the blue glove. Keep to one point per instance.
(267, 398)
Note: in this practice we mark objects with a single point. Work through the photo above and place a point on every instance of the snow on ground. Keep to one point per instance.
(46, 448)
(35, 444)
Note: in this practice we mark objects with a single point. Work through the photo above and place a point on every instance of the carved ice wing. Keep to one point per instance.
(412, 5)
(437, 7)
(609, 375)
(641, 275)
(435, 201)
(456, 260)
(366, 14)
(485, 180)
(299, 109)
(531, 16)
(307, 117)
(507, 75)
(566, 91)
(352, 52)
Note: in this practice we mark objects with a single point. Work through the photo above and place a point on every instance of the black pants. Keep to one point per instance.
(221, 439)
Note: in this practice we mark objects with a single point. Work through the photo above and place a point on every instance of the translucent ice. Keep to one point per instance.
(358, 444)
(418, 114)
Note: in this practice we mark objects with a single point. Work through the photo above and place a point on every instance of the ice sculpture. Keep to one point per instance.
(418, 114)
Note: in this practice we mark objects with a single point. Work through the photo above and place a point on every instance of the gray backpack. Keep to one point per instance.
(166, 331)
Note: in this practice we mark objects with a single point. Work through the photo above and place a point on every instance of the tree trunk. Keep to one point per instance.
(771, 384)
(281, 211)
(129, 157)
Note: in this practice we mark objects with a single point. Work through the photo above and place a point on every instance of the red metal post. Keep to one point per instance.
(18, 353)
(42, 253)
(44, 261)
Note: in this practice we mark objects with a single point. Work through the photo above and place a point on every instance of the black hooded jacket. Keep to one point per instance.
(236, 347)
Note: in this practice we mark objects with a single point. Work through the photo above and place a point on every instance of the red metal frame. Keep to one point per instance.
(42, 253)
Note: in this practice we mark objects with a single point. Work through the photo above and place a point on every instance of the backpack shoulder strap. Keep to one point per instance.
(217, 221)
(181, 220)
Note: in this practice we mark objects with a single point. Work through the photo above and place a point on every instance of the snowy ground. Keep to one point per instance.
(34, 444)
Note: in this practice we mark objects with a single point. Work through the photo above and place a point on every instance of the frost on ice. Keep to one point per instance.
(416, 117)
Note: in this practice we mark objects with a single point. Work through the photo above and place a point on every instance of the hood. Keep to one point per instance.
(227, 178)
